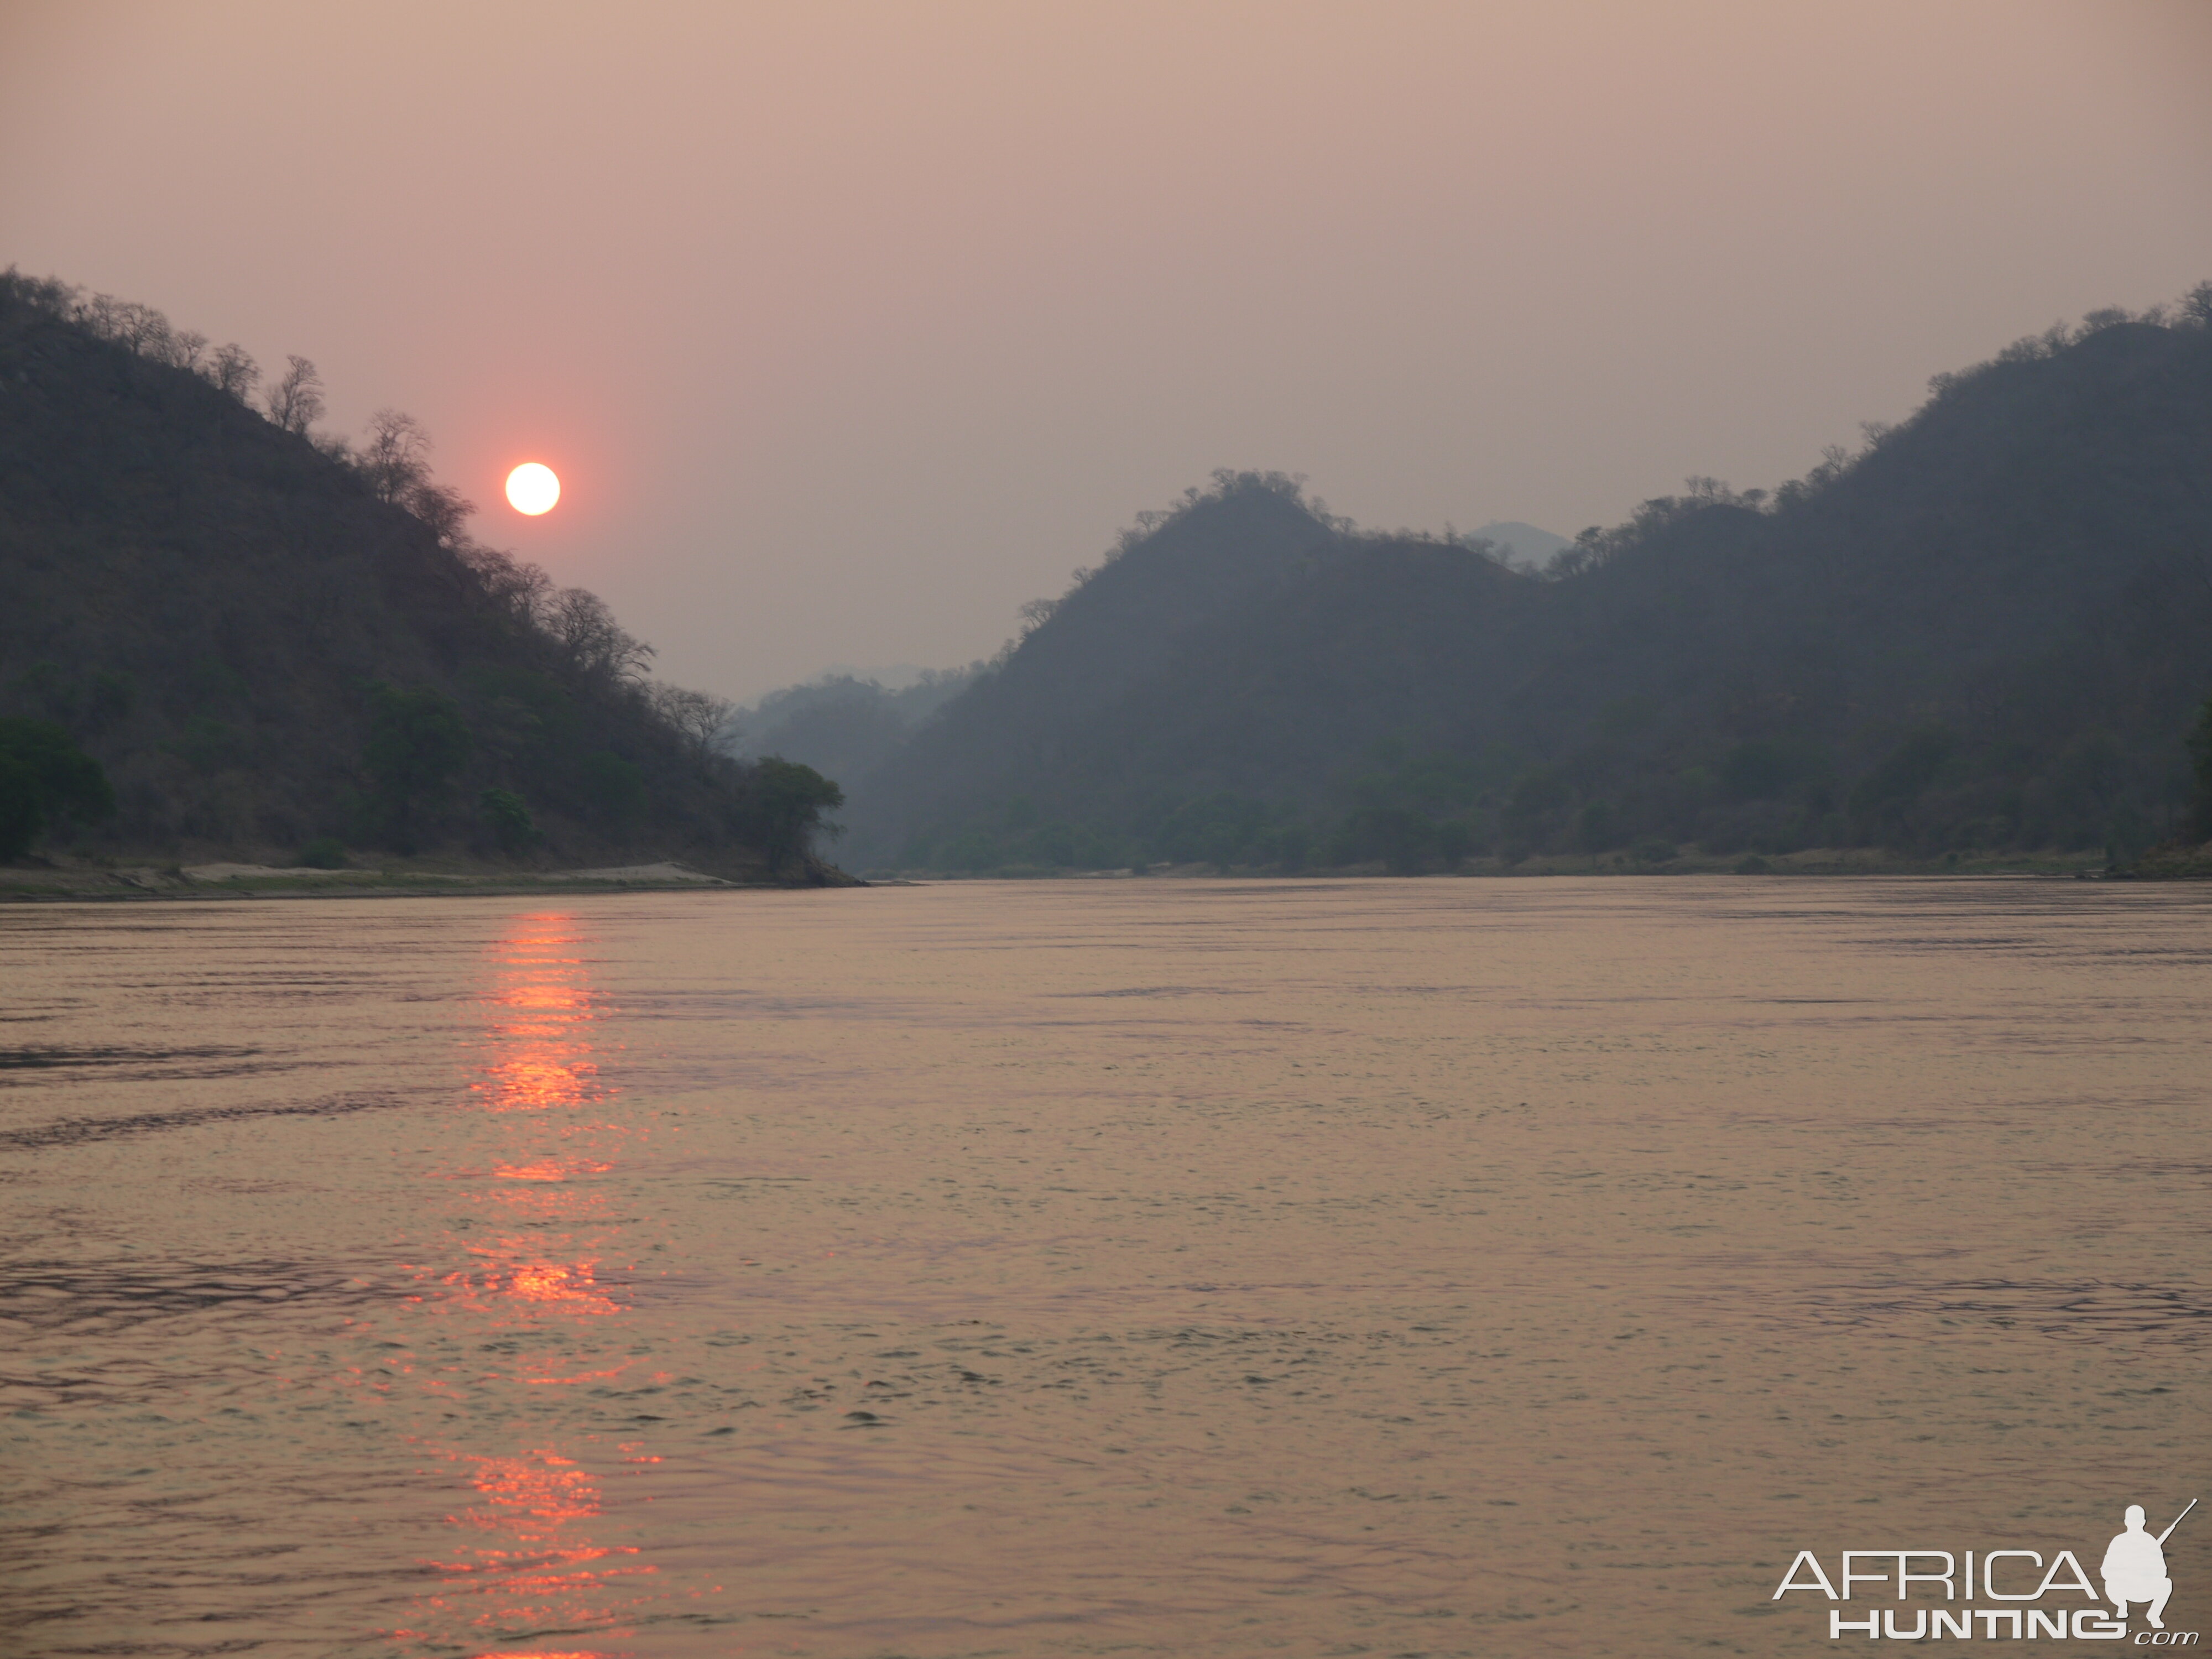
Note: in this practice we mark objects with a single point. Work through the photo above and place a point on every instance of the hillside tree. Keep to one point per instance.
(2200, 749)
(295, 401)
(45, 776)
(787, 806)
(418, 742)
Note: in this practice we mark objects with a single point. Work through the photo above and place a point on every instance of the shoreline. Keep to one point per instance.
(1813, 861)
(73, 880)
(53, 884)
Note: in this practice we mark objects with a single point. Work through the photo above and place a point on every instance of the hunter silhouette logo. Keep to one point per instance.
(2133, 1573)
(2135, 1566)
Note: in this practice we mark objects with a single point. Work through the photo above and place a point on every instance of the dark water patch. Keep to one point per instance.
(146, 1064)
(79, 1131)
(2082, 1311)
(1161, 991)
(86, 1298)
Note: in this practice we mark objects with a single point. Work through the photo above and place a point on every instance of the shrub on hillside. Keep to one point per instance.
(45, 778)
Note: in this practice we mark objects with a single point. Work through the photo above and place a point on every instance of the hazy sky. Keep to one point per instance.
(851, 327)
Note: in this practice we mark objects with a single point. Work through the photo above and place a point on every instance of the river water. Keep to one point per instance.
(1413, 1268)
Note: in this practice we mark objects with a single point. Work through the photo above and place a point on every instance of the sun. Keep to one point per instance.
(532, 488)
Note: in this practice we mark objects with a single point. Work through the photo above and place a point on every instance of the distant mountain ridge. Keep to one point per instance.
(842, 725)
(1524, 544)
(1988, 629)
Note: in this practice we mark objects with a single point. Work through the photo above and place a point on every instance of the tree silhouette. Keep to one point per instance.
(785, 806)
(295, 401)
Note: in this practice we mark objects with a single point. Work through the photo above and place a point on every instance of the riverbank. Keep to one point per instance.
(57, 879)
(65, 878)
(1682, 861)
(2174, 861)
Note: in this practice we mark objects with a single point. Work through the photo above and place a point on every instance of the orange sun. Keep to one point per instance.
(532, 488)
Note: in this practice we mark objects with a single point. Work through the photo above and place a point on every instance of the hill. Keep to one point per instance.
(1989, 629)
(841, 724)
(273, 643)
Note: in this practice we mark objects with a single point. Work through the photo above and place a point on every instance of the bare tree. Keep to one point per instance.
(445, 510)
(697, 716)
(580, 623)
(295, 402)
(143, 329)
(233, 369)
(522, 590)
(394, 459)
(44, 294)
(102, 315)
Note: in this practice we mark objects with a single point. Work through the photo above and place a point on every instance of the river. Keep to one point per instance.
(1330, 1267)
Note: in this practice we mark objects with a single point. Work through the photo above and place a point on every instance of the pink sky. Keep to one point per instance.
(851, 327)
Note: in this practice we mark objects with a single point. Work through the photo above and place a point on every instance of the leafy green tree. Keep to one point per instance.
(2200, 746)
(110, 699)
(1757, 771)
(1054, 844)
(1903, 776)
(970, 850)
(788, 805)
(417, 741)
(615, 788)
(209, 744)
(508, 816)
(1400, 837)
(1598, 827)
(1536, 792)
(44, 776)
(1290, 845)
(323, 853)
(22, 812)
(1534, 810)
(1219, 830)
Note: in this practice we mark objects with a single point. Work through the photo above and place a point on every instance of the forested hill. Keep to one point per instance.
(1988, 629)
(274, 643)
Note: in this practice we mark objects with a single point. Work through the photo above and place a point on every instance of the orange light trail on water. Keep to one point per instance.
(550, 1169)
(530, 1554)
(544, 1007)
(539, 1571)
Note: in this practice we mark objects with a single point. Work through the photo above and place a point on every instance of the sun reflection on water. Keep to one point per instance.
(542, 1006)
(536, 1566)
(511, 1277)
(531, 1553)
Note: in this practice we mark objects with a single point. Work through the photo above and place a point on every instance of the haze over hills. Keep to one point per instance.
(846, 722)
(842, 724)
(1524, 544)
(272, 642)
(1988, 629)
